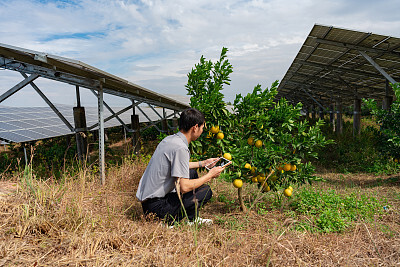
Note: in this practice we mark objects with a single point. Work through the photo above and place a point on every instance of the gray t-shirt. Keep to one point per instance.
(169, 161)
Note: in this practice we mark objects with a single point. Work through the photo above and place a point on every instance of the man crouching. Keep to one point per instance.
(169, 168)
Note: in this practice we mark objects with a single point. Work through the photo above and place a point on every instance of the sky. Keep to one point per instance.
(155, 44)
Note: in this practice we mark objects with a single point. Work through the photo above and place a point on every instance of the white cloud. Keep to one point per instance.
(156, 43)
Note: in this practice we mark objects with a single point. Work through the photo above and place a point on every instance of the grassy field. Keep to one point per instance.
(77, 222)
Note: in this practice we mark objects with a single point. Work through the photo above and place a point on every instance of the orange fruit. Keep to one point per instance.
(228, 156)
(266, 188)
(214, 129)
(220, 135)
(261, 178)
(287, 167)
(259, 143)
(293, 168)
(288, 192)
(247, 166)
(253, 170)
(250, 141)
(254, 179)
(238, 183)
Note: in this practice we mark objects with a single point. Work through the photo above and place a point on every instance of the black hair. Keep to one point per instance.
(189, 118)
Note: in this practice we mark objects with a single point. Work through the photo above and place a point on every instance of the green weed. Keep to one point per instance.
(328, 211)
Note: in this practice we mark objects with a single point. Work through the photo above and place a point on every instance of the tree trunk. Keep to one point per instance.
(241, 203)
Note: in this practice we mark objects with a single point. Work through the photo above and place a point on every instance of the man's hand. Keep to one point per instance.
(215, 172)
(208, 161)
(187, 185)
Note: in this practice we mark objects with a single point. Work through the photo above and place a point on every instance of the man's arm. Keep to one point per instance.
(200, 164)
(195, 164)
(187, 185)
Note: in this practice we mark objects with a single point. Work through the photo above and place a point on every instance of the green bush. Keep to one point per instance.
(389, 122)
(358, 153)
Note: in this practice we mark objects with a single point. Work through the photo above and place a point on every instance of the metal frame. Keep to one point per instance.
(48, 102)
(79, 74)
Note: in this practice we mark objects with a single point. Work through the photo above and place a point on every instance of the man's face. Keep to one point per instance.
(198, 130)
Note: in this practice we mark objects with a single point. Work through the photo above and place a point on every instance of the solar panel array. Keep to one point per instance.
(330, 66)
(79, 73)
(23, 124)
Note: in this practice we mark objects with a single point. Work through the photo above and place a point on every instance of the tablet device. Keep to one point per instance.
(219, 162)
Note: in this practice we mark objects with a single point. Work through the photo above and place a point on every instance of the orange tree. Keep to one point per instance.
(205, 83)
(273, 142)
(268, 139)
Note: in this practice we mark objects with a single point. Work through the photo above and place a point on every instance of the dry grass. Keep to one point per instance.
(80, 223)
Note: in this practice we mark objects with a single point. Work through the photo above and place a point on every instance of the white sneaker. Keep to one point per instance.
(167, 226)
(200, 221)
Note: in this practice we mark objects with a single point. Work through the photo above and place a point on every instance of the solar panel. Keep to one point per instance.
(329, 66)
(23, 124)
(5, 126)
(75, 72)
(32, 134)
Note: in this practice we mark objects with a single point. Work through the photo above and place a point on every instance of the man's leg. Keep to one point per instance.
(166, 208)
(193, 201)
(193, 174)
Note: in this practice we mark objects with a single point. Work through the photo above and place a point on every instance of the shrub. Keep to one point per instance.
(389, 122)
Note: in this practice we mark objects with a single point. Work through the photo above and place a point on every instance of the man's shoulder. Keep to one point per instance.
(174, 139)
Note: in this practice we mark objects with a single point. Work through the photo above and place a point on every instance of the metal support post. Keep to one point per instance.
(308, 113)
(332, 116)
(26, 157)
(313, 114)
(101, 135)
(175, 123)
(135, 130)
(357, 117)
(112, 112)
(388, 99)
(81, 132)
(78, 96)
(80, 127)
(339, 118)
(164, 123)
(387, 102)
(321, 113)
